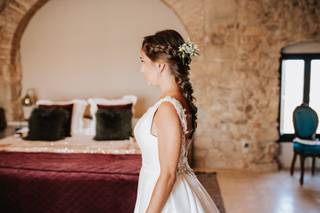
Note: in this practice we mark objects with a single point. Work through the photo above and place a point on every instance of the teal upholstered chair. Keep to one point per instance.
(305, 144)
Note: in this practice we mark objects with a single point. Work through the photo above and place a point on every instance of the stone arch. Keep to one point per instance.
(312, 46)
(18, 14)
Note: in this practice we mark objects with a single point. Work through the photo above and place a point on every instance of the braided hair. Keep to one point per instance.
(165, 45)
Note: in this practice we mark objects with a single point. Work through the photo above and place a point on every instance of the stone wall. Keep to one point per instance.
(236, 79)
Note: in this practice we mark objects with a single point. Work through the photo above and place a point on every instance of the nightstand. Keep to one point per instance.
(8, 131)
(18, 124)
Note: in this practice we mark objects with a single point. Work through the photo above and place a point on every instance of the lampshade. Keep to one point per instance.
(30, 98)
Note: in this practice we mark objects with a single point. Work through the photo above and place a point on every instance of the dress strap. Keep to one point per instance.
(179, 108)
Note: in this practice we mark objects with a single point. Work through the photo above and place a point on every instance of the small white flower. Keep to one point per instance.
(188, 49)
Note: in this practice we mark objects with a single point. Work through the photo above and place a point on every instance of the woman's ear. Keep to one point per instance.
(161, 67)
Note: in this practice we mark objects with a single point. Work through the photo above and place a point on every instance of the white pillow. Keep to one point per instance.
(79, 107)
(93, 102)
(86, 128)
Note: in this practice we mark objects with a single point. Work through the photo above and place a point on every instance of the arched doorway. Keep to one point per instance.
(19, 14)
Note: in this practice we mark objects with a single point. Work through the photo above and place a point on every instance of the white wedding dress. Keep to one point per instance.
(188, 194)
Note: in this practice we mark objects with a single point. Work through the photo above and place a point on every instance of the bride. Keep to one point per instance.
(167, 184)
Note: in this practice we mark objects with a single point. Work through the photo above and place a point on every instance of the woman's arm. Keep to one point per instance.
(169, 132)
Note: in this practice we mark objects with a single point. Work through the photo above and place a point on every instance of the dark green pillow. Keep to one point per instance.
(113, 122)
(69, 108)
(47, 124)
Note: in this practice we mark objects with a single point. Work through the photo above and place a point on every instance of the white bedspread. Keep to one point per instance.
(79, 143)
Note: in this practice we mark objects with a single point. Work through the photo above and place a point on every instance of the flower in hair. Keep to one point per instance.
(188, 50)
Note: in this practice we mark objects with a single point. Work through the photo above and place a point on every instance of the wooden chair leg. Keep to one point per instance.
(302, 158)
(293, 163)
(313, 165)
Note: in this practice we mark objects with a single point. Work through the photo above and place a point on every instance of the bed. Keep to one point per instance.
(73, 174)
(76, 174)
(68, 182)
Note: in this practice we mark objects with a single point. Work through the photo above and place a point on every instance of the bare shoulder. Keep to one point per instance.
(166, 111)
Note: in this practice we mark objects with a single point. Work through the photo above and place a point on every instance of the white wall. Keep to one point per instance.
(90, 48)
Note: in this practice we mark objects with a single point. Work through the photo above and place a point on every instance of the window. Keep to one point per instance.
(300, 82)
(315, 88)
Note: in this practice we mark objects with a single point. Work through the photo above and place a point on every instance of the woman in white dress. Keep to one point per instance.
(167, 184)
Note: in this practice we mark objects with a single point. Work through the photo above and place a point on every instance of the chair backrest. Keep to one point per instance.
(305, 122)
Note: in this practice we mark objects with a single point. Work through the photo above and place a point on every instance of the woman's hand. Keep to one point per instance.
(169, 131)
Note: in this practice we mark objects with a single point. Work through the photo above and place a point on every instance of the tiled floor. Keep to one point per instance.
(273, 192)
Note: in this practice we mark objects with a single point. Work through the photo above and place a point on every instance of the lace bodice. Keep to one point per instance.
(183, 165)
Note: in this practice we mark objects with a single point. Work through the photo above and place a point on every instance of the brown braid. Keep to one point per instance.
(165, 45)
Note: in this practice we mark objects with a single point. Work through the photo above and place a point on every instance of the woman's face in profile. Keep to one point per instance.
(149, 69)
